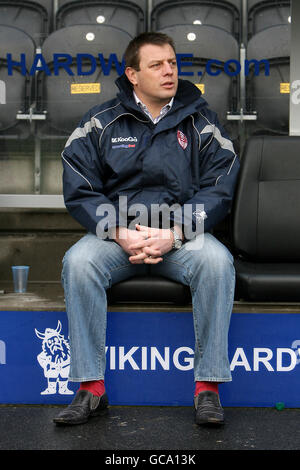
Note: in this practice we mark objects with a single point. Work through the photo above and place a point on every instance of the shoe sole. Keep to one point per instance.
(62, 422)
(210, 422)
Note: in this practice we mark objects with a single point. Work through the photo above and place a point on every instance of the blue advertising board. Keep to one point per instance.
(150, 359)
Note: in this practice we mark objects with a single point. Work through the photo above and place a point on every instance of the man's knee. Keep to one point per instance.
(212, 255)
(80, 255)
(75, 259)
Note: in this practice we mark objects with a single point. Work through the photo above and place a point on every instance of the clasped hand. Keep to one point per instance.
(145, 244)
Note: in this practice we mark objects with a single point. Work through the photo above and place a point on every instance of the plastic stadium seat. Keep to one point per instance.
(269, 95)
(29, 16)
(129, 16)
(268, 13)
(208, 43)
(49, 5)
(221, 14)
(266, 226)
(141, 3)
(149, 289)
(67, 97)
(236, 3)
(15, 88)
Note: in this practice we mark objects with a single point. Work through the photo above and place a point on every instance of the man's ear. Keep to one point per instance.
(131, 75)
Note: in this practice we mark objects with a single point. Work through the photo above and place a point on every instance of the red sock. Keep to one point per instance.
(96, 387)
(206, 386)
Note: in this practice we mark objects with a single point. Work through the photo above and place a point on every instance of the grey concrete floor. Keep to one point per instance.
(149, 428)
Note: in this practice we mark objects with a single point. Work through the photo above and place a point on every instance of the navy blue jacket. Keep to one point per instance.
(186, 159)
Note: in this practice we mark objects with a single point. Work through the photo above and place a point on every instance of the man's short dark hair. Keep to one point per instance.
(132, 56)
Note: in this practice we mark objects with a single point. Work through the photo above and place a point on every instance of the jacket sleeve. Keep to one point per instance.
(83, 179)
(216, 177)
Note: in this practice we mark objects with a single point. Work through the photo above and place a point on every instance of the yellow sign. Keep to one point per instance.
(284, 87)
(77, 88)
(201, 87)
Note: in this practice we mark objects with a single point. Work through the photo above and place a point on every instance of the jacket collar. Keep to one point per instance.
(188, 96)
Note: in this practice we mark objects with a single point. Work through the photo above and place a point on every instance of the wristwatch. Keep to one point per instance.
(177, 242)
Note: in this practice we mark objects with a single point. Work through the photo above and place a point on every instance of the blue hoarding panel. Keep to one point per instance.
(150, 359)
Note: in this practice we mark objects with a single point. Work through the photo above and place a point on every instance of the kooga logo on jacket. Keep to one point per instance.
(115, 140)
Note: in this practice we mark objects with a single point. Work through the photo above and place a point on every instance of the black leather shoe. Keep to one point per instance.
(208, 409)
(84, 406)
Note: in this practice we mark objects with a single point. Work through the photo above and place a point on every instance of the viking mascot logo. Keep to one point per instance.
(55, 360)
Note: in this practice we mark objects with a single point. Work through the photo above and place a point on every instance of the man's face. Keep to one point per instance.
(157, 80)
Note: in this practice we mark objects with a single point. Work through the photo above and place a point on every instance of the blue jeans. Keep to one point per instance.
(93, 265)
